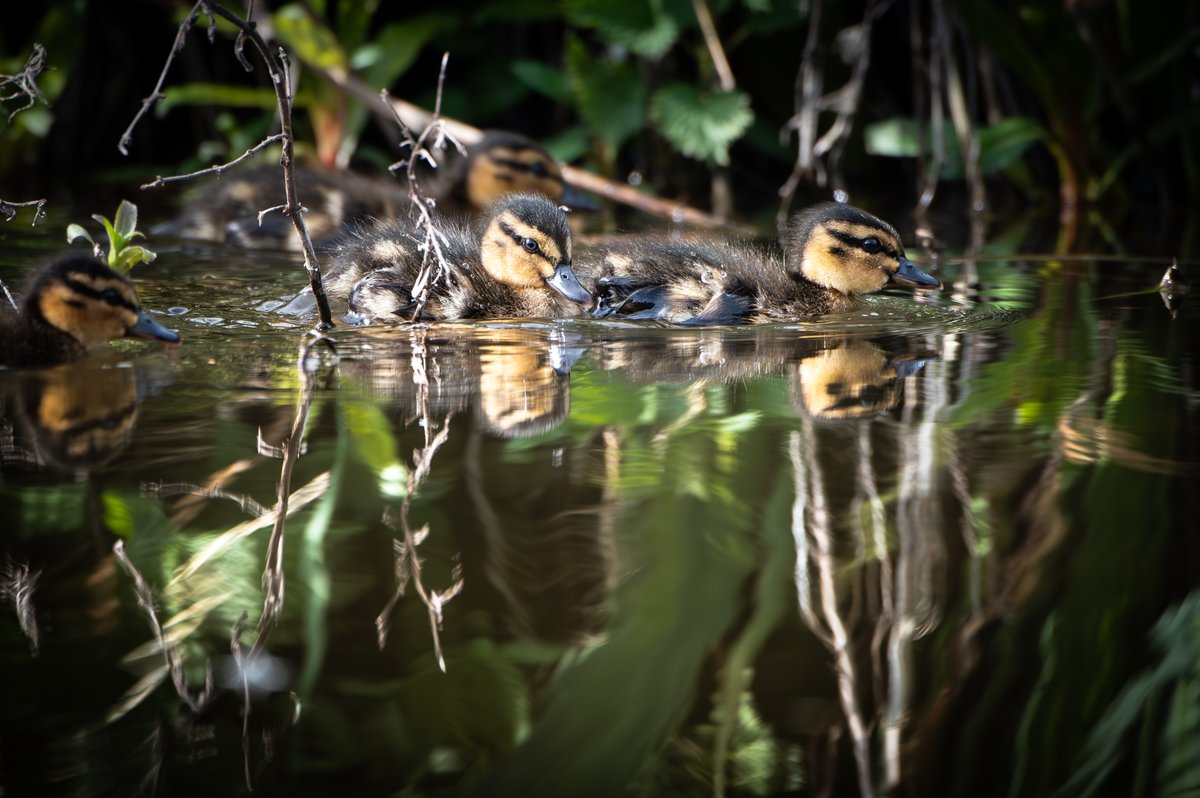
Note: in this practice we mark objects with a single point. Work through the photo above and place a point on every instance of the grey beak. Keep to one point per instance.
(566, 283)
(147, 327)
(910, 273)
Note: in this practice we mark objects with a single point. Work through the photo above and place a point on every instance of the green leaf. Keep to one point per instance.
(75, 231)
(114, 243)
(396, 46)
(315, 43)
(608, 95)
(1000, 145)
(700, 124)
(542, 78)
(126, 220)
(132, 256)
(640, 26)
(217, 94)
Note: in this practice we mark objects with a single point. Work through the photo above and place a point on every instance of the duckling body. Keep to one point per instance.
(228, 210)
(72, 305)
(516, 263)
(830, 255)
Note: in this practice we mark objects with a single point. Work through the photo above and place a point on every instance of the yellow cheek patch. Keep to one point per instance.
(88, 319)
(507, 171)
(852, 381)
(831, 262)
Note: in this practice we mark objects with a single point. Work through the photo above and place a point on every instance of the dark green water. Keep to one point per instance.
(939, 547)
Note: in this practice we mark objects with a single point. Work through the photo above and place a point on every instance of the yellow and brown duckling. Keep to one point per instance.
(72, 305)
(500, 163)
(830, 255)
(515, 263)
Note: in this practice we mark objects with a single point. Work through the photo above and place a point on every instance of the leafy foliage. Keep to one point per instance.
(123, 255)
(702, 125)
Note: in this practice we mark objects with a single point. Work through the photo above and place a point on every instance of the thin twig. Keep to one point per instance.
(9, 209)
(433, 136)
(24, 83)
(279, 70)
(713, 42)
(216, 169)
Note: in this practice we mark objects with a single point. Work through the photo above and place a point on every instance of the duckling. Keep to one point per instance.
(500, 163)
(830, 255)
(515, 264)
(73, 304)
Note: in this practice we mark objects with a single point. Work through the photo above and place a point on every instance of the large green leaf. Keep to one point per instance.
(609, 95)
(640, 26)
(701, 124)
(217, 94)
(542, 78)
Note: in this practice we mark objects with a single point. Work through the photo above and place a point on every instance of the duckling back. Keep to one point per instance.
(830, 255)
(514, 264)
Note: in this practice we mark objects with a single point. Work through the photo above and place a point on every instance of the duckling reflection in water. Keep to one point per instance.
(500, 163)
(517, 264)
(854, 380)
(77, 418)
(830, 255)
(72, 305)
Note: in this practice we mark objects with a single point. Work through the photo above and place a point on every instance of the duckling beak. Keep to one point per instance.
(147, 327)
(566, 283)
(910, 273)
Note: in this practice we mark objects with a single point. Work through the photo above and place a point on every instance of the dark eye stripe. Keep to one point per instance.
(856, 242)
(86, 290)
(519, 239)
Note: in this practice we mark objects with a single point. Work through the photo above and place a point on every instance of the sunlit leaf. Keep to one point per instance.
(700, 124)
(217, 94)
(75, 231)
(309, 38)
(126, 220)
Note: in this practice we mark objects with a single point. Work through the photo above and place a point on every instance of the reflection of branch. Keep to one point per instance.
(408, 563)
(145, 598)
(817, 527)
(279, 70)
(17, 583)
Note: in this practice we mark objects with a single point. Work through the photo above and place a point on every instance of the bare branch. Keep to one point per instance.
(176, 48)
(713, 42)
(24, 83)
(216, 169)
(9, 209)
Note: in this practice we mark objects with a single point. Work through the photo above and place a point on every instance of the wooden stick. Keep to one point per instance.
(417, 118)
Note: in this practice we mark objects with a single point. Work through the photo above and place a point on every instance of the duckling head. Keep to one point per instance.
(849, 250)
(509, 163)
(90, 302)
(526, 245)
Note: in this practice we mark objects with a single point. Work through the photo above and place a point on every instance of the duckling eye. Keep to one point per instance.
(529, 244)
(110, 295)
(871, 245)
(538, 168)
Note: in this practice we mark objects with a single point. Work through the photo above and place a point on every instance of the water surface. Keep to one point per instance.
(943, 545)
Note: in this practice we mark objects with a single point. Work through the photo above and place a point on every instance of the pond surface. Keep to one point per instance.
(941, 546)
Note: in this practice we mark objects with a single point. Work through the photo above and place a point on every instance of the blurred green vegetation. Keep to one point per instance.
(1083, 102)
